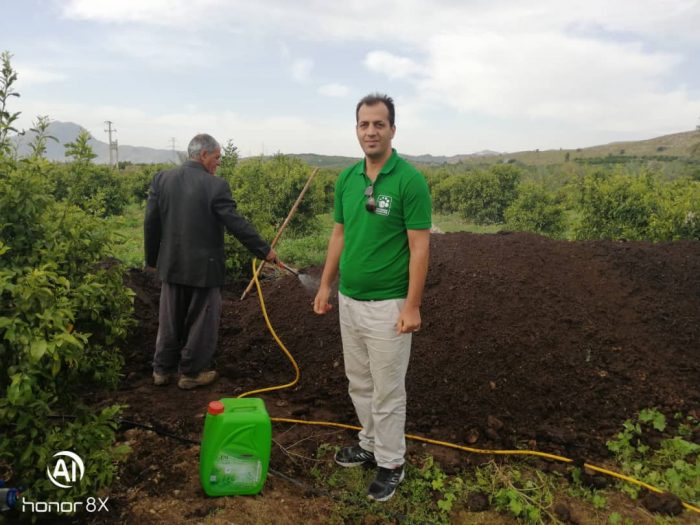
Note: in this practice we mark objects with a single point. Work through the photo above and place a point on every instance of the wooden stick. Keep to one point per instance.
(279, 232)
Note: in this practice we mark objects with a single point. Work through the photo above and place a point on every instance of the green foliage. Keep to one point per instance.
(265, 192)
(64, 307)
(41, 135)
(8, 77)
(616, 205)
(616, 519)
(127, 230)
(446, 489)
(80, 150)
(488, 194)
(480, 196)
(137, 180)
(447, 193)
(229, 160)
(528, 495)
(673, 464)
(427, 494)
(98, 190)
(678, 213)
(536, 210)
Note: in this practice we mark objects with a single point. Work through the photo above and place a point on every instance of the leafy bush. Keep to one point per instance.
(98, 190)
(265, 191)
(448, 193)
(536, 210)
(64, 307)
(678, 215)
(671, 464)
(137, 180)
(487, 194)
(616, 205)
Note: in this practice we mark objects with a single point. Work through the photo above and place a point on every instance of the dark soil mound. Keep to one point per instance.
(524, 339)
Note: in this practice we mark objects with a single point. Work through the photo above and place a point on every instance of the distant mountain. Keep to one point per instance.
(335, 161)
(682, 145)
(68, 131)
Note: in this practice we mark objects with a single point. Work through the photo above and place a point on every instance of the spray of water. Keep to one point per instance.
(309, 282)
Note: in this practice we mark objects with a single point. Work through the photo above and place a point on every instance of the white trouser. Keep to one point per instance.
(376, 360)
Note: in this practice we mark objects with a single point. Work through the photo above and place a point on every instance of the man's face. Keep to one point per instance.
(374, 131)
(210, 160)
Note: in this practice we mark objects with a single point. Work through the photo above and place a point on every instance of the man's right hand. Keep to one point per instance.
(321, 304)
(272, 257)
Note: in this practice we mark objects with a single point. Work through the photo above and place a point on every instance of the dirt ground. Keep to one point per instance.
(525, 340)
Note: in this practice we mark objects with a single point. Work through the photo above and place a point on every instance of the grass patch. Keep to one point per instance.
(517, 491)
(454, 222)
(128, 235)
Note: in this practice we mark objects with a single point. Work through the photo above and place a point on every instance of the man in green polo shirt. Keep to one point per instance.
(380, 243)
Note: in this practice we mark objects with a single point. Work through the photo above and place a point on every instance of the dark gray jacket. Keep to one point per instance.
(187, 211)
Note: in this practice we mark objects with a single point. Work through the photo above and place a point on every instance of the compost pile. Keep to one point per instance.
(525, 340)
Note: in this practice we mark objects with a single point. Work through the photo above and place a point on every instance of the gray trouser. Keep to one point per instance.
(188, 328)
(376, 360)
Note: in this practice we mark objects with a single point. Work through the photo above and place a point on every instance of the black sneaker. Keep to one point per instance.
(384, 485)
(354, 456)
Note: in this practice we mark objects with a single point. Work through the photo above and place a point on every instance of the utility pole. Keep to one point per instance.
(113, 146)
(172, 146)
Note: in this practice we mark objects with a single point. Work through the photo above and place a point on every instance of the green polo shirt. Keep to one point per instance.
(374, 262)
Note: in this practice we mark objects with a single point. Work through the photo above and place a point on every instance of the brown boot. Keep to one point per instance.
(161, 379)
(201, 379)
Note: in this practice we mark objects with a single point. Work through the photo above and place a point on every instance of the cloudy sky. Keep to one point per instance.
(275, 75)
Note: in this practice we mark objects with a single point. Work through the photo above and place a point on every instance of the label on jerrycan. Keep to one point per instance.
(241, 469)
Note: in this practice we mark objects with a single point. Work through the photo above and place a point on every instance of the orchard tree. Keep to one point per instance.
(229, 159)
(41, 135)
(7, 78)
(80, 150)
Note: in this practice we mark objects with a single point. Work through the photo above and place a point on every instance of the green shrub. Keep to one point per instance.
(448, 193)
(536, 210)
(265, 191)
(614, 205)
(98, 190)
(678, 215)
(63, 308)
(486, 194)
(137, 180)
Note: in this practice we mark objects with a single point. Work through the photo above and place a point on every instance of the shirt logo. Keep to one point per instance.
(383, 205)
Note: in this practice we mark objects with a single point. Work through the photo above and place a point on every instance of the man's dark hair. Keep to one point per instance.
(376, 98)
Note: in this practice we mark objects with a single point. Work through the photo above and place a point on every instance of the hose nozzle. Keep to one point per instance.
(289, 269)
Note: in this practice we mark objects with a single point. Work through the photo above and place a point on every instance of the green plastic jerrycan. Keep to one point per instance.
(235, 451)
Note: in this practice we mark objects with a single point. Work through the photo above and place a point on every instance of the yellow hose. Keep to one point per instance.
(536, 453)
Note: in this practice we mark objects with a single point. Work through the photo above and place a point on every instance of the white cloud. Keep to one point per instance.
(577, 66)
(541, 75)
(333, 90)
(30, 75)
(151, 12)
(391, 65)
(411, 20)
(301, 69)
